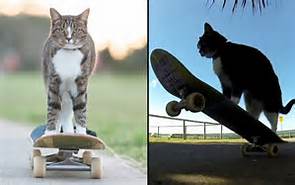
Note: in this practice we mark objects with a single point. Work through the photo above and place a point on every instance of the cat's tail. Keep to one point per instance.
(287, 108)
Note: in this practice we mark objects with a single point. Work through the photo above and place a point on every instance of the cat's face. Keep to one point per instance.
(210, 42)
(69, 31)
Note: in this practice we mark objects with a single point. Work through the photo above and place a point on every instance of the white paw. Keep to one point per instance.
(49, 132)
(80, 130)
(68, 128)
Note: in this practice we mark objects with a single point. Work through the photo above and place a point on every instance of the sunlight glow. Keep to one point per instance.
(199, 179)
(118, 25)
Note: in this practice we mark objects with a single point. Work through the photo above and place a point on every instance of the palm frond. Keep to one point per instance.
(255, 4)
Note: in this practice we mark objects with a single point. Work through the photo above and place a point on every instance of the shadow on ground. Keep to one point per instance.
(220, 164)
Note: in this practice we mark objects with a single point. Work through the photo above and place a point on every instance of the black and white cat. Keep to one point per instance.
(244, 69)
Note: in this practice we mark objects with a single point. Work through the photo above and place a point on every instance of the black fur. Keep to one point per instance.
(247, 69)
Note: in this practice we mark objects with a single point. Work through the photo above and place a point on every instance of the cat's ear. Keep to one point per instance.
(207, 28)
(84, 15)
(54, 14)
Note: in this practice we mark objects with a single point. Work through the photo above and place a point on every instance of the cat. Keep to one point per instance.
(244, 70)
(68, 59)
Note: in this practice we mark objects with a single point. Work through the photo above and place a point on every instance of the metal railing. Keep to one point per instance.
(204, 135)
(184, 125)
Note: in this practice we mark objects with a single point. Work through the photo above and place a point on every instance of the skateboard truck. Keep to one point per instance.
(194, 102)
(271, 149)
(65, 160)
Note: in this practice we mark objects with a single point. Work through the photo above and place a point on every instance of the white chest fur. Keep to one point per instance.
(67, 66)
(67, 63)
(218, 70)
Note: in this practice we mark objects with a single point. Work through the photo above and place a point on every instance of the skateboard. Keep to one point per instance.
(198, 96)
(66, 158)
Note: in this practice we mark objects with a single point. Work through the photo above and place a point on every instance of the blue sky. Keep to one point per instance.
(175, 25)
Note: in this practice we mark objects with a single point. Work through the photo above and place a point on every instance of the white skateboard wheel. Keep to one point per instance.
(36, 152)
(87, 157)
(39, 166)
(96, 168)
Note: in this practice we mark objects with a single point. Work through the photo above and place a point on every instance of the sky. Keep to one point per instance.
(119, 25)
(175, 25)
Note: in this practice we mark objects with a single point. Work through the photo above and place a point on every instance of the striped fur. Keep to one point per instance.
(68, 60)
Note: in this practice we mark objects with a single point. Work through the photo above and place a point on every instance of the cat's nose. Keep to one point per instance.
(69, 40)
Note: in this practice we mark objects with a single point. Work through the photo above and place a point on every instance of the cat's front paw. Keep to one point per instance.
(80, 130)
(68, 128)
(49, 132)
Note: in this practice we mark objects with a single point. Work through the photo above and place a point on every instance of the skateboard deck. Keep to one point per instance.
(66, 158)
(178, 81)
(69, 141)
(64, 141)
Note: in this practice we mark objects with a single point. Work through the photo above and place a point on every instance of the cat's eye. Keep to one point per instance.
(64, 25)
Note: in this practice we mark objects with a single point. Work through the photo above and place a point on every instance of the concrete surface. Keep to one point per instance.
(15, 167)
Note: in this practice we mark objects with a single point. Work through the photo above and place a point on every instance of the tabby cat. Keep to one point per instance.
(68, 60)
(244, 69)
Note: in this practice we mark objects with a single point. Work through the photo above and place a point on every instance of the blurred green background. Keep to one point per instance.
(117, 90)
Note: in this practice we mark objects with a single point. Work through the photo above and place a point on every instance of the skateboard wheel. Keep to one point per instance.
(171, 109)
(96, 168)
(272, 150)
(36, 152)
(245, 150)
(87, 157)
(39, 166)
(195, 102)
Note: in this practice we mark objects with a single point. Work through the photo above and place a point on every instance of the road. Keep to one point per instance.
(15, 164)
(218, 164)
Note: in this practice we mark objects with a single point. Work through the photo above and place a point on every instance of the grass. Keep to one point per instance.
(192, 141)
(116, 109)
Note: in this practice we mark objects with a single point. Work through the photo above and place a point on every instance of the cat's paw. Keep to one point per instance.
(80, 130)
(68, 128)
(49, 132)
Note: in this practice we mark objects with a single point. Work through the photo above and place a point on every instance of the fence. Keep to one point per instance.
(205, 125)
(185, 126)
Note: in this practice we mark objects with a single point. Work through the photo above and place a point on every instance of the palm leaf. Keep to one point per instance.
(255, 4)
